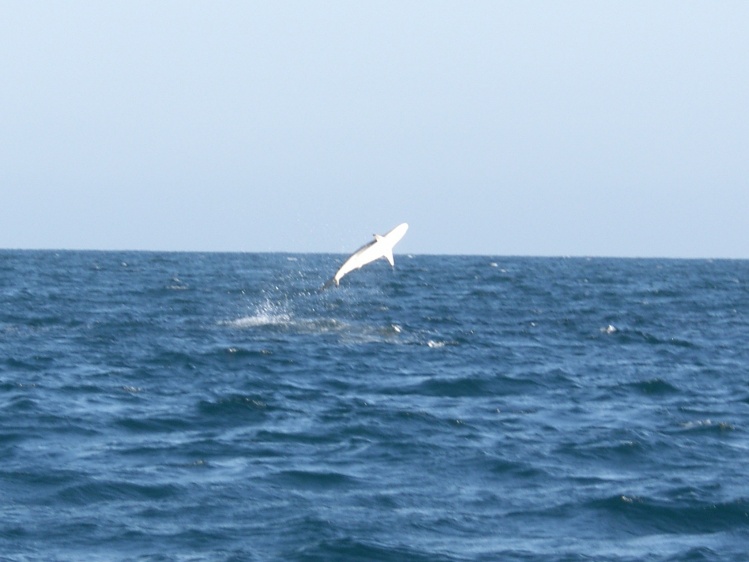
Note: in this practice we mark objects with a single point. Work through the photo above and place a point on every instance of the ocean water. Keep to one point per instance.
(186, 406)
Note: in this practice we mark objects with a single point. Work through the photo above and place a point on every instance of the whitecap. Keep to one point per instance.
(708, 424)
(177, 285)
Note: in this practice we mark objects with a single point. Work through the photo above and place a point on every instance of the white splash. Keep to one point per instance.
(266, 314)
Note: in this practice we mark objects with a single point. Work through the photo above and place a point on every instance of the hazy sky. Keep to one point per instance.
(502, 128)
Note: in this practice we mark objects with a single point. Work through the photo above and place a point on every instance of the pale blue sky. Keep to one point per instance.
(502, 128)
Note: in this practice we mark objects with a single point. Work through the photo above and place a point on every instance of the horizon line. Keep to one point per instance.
(405, 254)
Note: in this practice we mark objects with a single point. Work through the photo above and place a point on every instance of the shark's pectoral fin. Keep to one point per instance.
(389, 258)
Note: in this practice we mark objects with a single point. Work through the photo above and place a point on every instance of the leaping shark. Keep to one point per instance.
(380, 247)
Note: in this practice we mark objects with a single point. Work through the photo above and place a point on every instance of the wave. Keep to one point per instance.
(649, 515)
(478, 385)
(234, 405)
(656, 386)
(707, 426)
(93, 491)
(314, 479)
(628, 335)
(350, 548)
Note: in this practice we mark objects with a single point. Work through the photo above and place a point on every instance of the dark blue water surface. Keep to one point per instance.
(164, 406)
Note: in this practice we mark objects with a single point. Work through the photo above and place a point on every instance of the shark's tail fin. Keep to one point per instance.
(330, 283)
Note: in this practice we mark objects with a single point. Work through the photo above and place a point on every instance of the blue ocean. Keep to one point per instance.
(204, 406)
